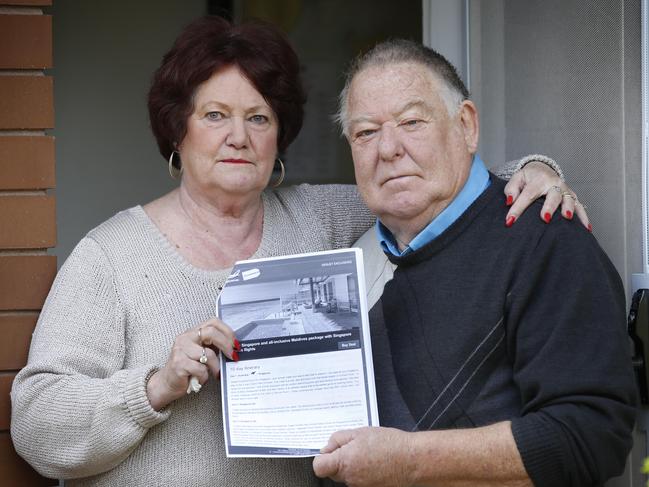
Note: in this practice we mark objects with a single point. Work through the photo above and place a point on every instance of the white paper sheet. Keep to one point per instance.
(305, 369)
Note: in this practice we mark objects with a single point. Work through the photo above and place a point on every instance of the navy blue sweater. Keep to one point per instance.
(488, 323)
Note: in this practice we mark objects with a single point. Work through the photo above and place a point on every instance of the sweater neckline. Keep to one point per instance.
(424, 253)
(218, 274)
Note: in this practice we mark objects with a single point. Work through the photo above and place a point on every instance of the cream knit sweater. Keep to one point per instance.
(79, 407)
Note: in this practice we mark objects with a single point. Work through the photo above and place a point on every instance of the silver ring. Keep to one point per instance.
(203, 358)
(569, 195)
(555, 188)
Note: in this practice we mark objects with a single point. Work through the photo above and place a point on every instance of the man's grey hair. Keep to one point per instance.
(404, 51)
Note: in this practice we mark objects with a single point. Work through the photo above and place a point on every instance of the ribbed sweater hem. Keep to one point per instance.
(539, 452)
(137, 401)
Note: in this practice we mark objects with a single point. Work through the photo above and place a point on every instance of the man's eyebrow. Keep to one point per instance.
(413, 104)
(359, 119)
(418, 103)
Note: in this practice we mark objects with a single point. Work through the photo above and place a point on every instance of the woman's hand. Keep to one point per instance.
(185, 361)
(536, 179)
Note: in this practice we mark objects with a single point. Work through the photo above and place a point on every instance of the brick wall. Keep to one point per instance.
(27, 210)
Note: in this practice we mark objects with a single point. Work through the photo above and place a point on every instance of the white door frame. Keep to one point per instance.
(446, 29)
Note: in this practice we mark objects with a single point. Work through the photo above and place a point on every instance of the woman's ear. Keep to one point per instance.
(468, 114)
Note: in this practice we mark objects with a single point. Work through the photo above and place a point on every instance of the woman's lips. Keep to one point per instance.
(236, 161)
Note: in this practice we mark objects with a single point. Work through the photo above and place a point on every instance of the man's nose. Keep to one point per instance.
(238, 136)
(390, 147)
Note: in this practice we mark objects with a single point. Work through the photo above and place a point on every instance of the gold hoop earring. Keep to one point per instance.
(174, 172)
(281, 175)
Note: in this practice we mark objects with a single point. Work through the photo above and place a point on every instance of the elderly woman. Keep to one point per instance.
(103, 399)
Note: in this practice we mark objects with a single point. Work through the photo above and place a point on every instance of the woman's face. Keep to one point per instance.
(231, 141)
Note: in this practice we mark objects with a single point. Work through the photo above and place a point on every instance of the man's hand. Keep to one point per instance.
(366, 457)
(379, 457)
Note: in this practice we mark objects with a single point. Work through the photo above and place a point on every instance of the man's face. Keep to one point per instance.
(411, 157)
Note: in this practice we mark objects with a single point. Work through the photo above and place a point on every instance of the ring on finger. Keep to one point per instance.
(556, 188)
(203, 358)
(569, 195)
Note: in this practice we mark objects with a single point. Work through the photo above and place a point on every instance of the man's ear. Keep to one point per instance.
(468, 115)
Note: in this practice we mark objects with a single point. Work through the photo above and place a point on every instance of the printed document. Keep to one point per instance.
(305, 366)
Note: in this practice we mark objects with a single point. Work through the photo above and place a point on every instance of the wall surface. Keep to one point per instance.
(27, 207)
(107, 158)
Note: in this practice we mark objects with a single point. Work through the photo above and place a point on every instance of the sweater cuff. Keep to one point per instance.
(541, 455)
(137, 402)
(548, 161)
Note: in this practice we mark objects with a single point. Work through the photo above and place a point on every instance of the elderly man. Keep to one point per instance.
(509, 359)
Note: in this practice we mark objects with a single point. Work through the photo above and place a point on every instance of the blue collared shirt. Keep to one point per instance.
(475, 185)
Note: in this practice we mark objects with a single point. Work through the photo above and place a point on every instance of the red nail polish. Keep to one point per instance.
(590, 228)
(569, 215)
(510, 200)
(235, 355)
(547, 217)
(510, 221)
(237, 345)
